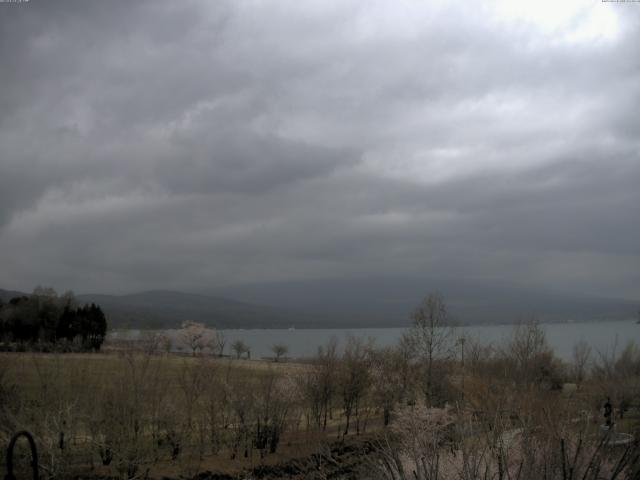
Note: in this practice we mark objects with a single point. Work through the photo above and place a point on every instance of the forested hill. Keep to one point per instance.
(168, 309)
(348, 303)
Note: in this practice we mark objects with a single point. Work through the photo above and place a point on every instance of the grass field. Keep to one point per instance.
(129, 414)
(146, 407)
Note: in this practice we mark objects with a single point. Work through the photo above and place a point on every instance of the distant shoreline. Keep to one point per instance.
(304, 342)
(369, 327)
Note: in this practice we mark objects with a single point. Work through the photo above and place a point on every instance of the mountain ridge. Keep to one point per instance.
(380, 300)
(348, 303)
(168, 309)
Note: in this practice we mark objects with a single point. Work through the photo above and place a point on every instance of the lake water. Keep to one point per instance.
(601, 336)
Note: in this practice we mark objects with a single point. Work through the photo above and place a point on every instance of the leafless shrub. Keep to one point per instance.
(154, 342)
(581, 357)
(432, 444)
(276, 394)
(354, 379)
(388, 388)
(9, 402)
(412, 448)
(318, 385)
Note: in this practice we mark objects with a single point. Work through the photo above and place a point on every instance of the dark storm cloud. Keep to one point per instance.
(196, 144)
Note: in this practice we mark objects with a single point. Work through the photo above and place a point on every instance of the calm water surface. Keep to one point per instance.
(602, 336)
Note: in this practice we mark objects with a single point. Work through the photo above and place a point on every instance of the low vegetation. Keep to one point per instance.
(433, 407)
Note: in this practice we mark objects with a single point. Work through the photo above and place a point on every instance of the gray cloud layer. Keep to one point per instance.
(197, 144)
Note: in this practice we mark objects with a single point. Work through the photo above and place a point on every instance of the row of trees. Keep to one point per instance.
(199, 339)
(49, 320)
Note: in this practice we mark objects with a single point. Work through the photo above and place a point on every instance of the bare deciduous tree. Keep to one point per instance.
(431, 335)
(354, 379)
(240, 348)
(218, 343)
(279, 350)
(387, 365)
(319, 384)
(276, 394)
(529, 351)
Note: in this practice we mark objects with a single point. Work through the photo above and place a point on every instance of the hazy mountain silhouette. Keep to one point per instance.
(390, 300)
(331, 303)
(160, 308)
(6, 295)
(168, 309)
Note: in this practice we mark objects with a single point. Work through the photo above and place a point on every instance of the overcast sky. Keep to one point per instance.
(191, 145)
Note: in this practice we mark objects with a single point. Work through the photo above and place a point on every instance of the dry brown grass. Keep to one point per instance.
(136, 404)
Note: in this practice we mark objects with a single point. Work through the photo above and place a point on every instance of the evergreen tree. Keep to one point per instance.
(44, 316)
